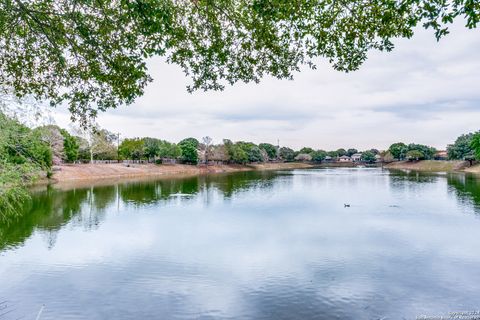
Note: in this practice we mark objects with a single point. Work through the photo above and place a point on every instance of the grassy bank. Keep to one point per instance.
(84, 172)
(428, 165)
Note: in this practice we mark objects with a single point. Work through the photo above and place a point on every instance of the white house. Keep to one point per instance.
(356, 157)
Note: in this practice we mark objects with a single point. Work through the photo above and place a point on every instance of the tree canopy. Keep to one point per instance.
(189, 151)
(92, 55)
(270, 149)
(461, 149)
(368, 156)
(475, 144)
(401, 151)
(23, 155)
(319, 155)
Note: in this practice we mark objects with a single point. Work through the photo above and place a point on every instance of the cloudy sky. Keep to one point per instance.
(424, 92)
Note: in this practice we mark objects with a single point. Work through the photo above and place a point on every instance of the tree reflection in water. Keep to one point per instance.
(467, 188)
(52, 208)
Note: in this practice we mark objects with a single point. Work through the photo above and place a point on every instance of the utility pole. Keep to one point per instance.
(118, 147)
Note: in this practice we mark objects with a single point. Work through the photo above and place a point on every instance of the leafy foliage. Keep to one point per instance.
(169, 150)
(351, 152)
(287, 154)
(333, 154)
(133, 149)
(151, 147)
(270, 149)
(475, 144)
(461, 149)
(397, 150)
(306, 150)
(254, 154)
(71, 146)
(368, 157)
(92, 54)
(341, 152)
(23, 155)
(237, 154)
(319, 155)
(428, 152)
(414, 155)
(189, 151)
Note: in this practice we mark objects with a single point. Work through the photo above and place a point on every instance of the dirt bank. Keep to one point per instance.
(428, 165)
(83, 172)
(473, 169)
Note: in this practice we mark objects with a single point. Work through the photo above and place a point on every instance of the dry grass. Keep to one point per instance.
(90, 172)
(428, 165)
(473, 169)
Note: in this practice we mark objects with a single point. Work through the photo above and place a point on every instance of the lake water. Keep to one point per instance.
(252, 245)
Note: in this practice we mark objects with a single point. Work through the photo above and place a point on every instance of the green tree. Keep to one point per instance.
(151, 147)
(192, 141)
(270, 149)
(319, 155)
(23, 156)
(70, 146)
(21, 145)
(428, 152)
(414, 155)
(92, 55)
(244, 152)
(189, 150)
(255, 154)
(132, 149)
(236, 153)
(239, 155)
(368, 157)
(287, 154)
(306, 150)
(341, 152)
(461, 149)
(169, 150)
(333, 154)
(475, 144)
(398, 150)
(351, 152)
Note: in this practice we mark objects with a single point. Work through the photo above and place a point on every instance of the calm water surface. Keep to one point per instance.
(256, 245)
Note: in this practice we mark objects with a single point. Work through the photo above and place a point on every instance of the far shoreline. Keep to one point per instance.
(94, 172)
(86, 174)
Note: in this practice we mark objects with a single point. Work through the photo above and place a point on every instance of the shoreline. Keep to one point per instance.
(102, 173)
(117, 171)
(433, 166)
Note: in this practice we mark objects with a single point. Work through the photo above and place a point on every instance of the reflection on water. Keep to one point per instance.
(51, 209)
(467, 188)
(254, 245)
